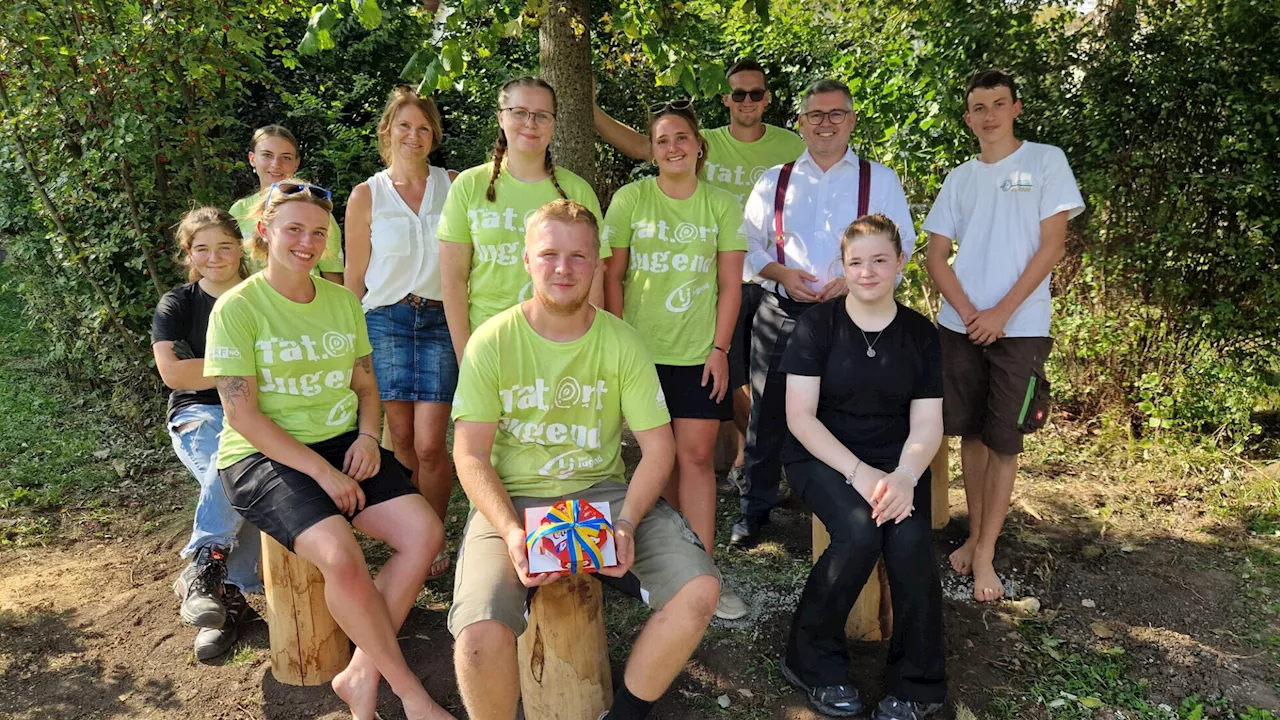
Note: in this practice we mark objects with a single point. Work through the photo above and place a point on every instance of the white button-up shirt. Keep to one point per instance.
(819, 206)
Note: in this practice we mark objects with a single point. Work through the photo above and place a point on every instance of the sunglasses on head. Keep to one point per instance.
(290, 188)
(677, 105)
(740, 95)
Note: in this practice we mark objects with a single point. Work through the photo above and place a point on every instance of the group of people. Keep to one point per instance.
(751, 280)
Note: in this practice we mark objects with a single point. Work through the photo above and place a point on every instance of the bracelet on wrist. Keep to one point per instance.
(371, 435)
(629, 524)
(852, 474)
(717, 347)
(915, 479)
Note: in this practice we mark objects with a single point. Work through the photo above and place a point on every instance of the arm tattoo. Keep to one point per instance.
(365, 363)
(234, 390)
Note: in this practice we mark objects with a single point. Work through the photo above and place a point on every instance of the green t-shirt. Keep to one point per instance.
(330, 262)
(496, 231)
(671, 288)
(559, 406)
(302, 356)
(736, 166)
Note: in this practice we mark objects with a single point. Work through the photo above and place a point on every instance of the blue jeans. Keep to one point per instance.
(194, 431)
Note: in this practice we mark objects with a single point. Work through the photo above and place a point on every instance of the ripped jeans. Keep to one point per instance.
(194, 431)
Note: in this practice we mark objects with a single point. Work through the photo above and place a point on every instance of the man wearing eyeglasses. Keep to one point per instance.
(796, 257)
(738, 154)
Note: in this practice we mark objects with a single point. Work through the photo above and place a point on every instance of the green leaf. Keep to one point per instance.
(1147, 407)
(324, 18)
(310, 44)
(431, 78)
(451, 57)
(711, 80)
(417, 65)
(688, 82)
(368, 13)
(1092, 703)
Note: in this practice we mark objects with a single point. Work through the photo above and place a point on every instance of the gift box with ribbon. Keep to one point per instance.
(571, 536)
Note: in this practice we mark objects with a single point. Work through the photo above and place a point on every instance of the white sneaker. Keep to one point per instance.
(730, 606)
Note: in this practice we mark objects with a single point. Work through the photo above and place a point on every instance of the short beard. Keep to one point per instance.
(561, 309)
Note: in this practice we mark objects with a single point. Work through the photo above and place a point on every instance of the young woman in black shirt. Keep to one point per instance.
(223, 548)
(864, 407)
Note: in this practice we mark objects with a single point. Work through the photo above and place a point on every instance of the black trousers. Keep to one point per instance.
(767, 429)
(816, 649)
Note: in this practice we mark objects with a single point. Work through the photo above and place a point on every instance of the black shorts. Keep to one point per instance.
(997, 392)
(283, 502)
(740, 349)
(686, 398)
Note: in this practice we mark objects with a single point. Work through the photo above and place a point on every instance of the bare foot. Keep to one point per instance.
(358, 688)
(962, 558)
(986, 583)
(425, 708)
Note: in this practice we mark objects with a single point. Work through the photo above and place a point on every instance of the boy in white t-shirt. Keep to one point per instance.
(1007, 211)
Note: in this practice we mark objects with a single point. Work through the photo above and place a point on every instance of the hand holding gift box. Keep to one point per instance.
(572, 536)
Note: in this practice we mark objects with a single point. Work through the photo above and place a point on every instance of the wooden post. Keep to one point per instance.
(871, 618)
(941, 503)
(564, 661)
(307, 646)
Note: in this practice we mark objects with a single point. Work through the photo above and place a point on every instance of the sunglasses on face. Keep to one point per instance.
(288, 188)
(739, 95)
(678, 105)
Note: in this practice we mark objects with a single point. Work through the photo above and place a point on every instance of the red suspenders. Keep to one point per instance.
(780, 200)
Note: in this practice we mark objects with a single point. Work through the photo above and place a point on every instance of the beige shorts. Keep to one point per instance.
(486, 587)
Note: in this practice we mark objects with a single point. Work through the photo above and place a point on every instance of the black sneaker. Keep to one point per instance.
(200, 587)
(746, 532)
(829, 700)
(891, 708)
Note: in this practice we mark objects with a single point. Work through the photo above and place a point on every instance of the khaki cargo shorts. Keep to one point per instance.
(486, 587)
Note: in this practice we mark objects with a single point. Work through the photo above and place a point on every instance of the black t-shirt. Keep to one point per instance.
(182, 317)
(865, 401)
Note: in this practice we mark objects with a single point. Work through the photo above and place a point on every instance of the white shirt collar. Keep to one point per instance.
(849, 158)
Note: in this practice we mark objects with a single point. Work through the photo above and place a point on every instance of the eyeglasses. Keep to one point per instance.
(522, 116)
(287, 188)
(677, 105)
(815, 117)
(756, 95)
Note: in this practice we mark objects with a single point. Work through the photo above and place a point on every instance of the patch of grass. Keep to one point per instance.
(243, 655)
(60, 448)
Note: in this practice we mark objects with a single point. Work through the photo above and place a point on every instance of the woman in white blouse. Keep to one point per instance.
(393, 266)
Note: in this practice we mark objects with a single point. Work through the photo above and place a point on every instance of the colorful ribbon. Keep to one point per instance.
(582, 537)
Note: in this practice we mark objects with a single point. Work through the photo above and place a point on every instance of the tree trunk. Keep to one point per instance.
(564, 43)
(307, 646)
(564, 655)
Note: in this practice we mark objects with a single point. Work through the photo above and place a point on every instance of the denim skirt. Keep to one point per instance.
(412, 353)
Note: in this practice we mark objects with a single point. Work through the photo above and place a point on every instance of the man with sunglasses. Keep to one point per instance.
(737, 156)
(793, 238)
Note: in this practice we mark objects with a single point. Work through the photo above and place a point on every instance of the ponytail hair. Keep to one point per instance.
(500, 144)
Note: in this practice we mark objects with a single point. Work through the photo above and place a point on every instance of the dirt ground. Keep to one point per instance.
(89, 629)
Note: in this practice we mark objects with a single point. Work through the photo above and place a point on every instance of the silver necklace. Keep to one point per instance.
(871, 346)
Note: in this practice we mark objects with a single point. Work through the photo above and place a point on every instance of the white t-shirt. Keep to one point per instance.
(993, 213)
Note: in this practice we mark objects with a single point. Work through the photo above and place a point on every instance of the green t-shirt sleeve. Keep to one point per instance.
(476, 398)
(363, 346)
(616, 232)
(643, 405)
(229, 341)
(732, 225)
(331, 261)
(240, 210)
(454, 226)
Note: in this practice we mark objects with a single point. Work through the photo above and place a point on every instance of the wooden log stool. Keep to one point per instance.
(307, 646)
(871, 618)
(564, 659)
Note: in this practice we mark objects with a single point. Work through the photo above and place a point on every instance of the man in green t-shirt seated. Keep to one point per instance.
(543, 390)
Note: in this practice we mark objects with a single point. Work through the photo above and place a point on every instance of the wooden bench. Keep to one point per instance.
(307, 646)
(871, 618)
(563, 655)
